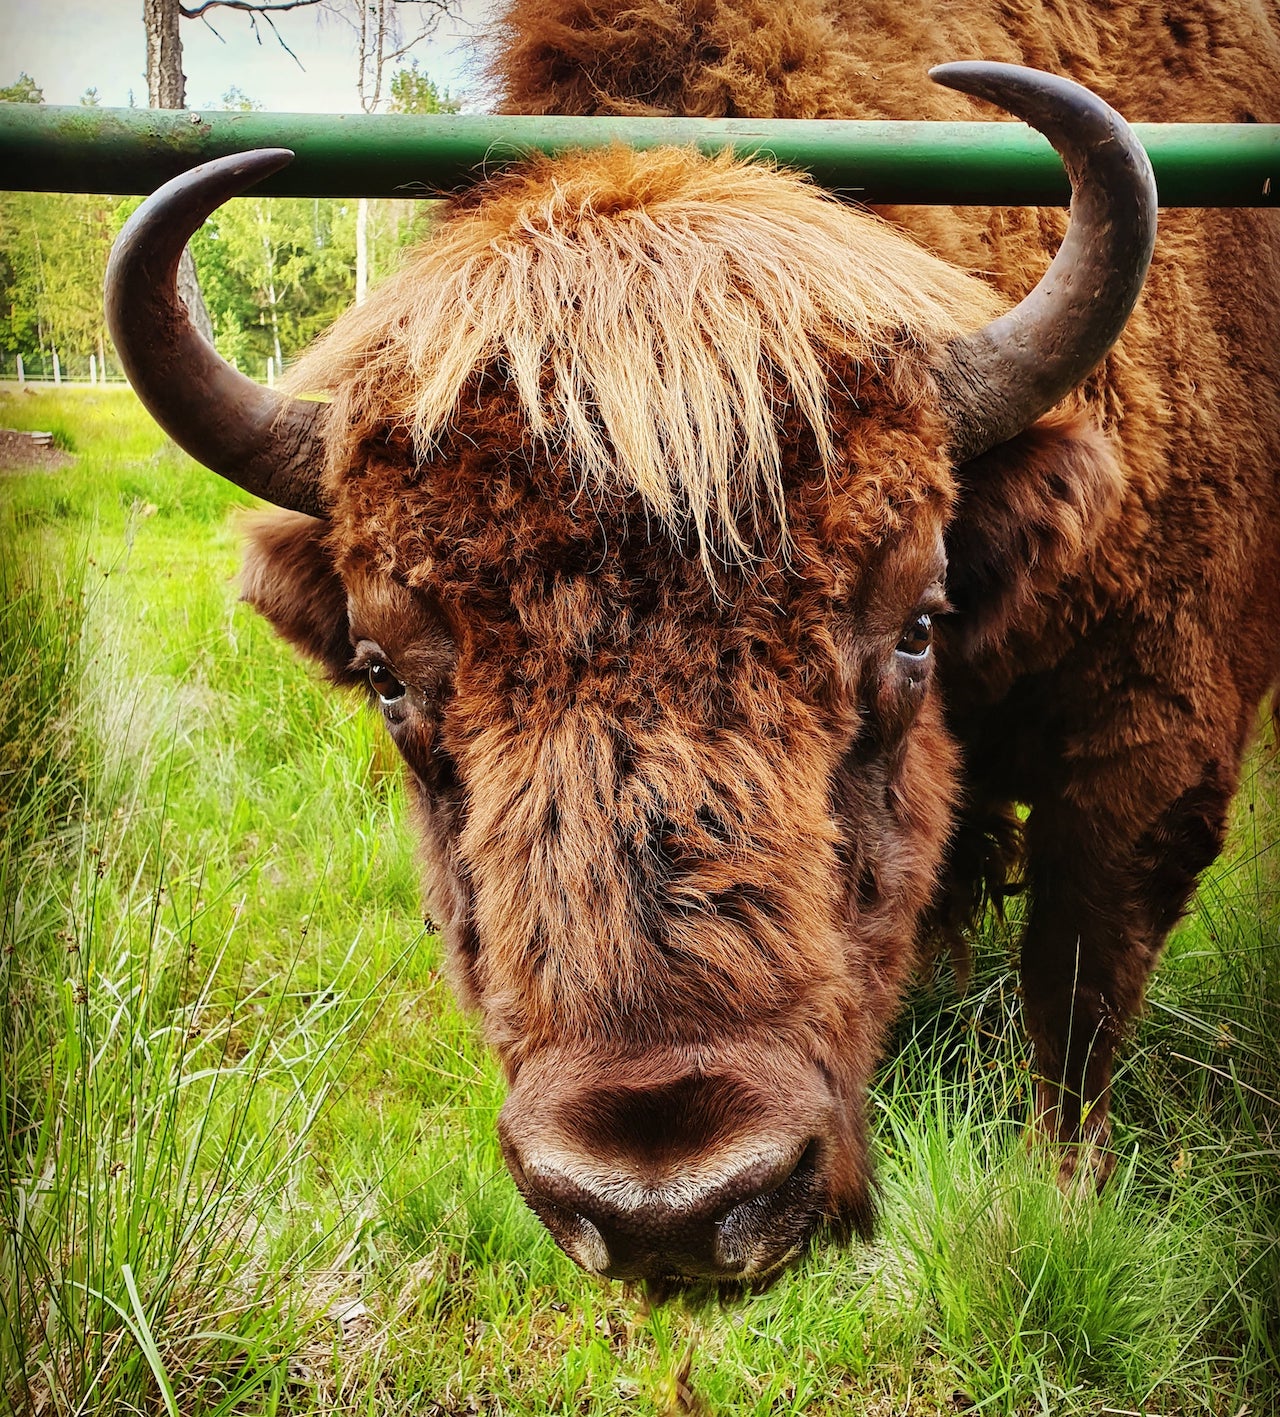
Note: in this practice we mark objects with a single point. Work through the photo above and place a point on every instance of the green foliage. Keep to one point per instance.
(412, 91)
(53, 257)
(275, 272)
(52, 260)
(235, 100)
(24, 90)
(248, 1161)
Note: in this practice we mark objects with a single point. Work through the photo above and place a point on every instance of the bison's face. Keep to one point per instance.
(678, 830)
(681, 814)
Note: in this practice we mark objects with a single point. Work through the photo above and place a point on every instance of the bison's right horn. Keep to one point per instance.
(263, 442)
(999, 380)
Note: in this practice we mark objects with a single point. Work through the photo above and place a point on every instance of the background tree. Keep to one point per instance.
(167, 88)
(275, 270)
(382, 41)
(53, 256)
(23, 90)
(398, 221)
(412, 91)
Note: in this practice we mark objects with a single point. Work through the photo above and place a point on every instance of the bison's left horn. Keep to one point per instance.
(999, 380)
(263, 442)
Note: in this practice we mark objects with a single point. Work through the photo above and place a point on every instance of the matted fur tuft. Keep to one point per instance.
(656, 314)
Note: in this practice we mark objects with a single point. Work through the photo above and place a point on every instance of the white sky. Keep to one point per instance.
(68, 46)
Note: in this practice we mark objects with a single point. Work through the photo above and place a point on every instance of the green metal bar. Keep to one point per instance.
(132, 150)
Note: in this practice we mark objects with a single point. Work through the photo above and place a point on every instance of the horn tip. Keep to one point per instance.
(1033, 95)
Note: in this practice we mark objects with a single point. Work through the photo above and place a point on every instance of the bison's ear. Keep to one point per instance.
(289, 577)
(1030, 513)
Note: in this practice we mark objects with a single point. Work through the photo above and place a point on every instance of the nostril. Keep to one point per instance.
(780, 1209)
(556, 1202)
(781, 1182)
(580, 1237)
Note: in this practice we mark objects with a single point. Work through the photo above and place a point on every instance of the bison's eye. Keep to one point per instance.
(385, 684)
(917, 637)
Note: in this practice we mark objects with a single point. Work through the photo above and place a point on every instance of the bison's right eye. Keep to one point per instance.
(917, 637)
(385, 684)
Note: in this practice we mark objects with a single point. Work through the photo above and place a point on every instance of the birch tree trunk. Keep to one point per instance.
(269, 261)
(362, 249)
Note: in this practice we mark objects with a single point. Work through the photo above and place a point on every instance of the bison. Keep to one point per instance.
(754, 585)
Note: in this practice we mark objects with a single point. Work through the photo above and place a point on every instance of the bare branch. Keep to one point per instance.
(207, 23)
(283, 45)
(404, 49)
(256, 7)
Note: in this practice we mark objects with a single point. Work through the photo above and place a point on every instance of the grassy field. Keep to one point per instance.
(248, 1153)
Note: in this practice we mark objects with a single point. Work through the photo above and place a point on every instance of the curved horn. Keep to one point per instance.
(999, 380)
(267, 444)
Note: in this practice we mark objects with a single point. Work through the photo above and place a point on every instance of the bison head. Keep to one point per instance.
(628, 509)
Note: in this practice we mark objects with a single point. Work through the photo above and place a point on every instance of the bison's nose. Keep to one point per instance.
(642, 1169)
(627, 1225)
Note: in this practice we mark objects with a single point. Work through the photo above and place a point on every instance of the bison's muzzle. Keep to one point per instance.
(703, 1177)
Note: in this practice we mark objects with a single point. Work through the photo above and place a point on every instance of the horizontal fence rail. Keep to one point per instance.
(129, 151)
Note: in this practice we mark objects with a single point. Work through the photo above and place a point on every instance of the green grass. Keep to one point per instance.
(248, 1154)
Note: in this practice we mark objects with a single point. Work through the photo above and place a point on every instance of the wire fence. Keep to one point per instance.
(46, 366)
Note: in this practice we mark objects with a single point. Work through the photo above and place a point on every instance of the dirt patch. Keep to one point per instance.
(19, 452)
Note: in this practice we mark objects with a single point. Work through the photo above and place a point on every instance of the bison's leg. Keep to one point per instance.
(1104, 897)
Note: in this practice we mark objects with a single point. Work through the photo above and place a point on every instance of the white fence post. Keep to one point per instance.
(22, 373)
(57, 369)
(93, 368)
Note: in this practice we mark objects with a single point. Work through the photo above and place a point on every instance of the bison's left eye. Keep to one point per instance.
(917, 637)
(385, 684)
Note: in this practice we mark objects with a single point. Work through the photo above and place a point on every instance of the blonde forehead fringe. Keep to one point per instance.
(648, 307)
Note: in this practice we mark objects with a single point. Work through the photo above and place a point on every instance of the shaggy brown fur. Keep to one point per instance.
(1122, 674)
(637, 479)
(653, 312)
